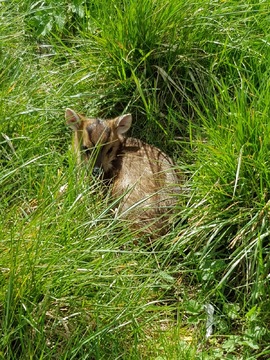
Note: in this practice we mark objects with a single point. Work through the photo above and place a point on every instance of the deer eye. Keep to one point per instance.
(109, 151)
(86, 150)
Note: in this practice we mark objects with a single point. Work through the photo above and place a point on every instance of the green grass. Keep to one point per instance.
(195, 76)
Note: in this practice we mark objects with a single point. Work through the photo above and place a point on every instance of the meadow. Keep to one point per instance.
(196, 78)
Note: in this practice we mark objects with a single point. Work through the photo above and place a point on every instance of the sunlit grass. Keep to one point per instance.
(74, 283)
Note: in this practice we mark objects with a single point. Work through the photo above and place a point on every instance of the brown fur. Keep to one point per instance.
(140, 174)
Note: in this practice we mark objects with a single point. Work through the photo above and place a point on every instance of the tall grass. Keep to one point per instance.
(195, 76)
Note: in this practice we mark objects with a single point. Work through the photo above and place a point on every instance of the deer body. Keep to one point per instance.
(140, 175)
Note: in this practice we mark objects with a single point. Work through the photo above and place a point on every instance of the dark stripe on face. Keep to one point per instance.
(98, 132)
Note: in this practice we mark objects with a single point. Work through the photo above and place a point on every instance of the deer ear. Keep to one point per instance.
(72, 119)
(123, 123)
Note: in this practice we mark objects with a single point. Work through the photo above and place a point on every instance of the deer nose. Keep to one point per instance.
(97, 171)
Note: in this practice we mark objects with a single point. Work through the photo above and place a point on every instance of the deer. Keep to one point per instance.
(143, 178)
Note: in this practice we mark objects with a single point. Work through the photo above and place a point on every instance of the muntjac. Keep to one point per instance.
(141, 176)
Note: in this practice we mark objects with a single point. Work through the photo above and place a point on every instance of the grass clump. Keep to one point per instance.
(73, 283)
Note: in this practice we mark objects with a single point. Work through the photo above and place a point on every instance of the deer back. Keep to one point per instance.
(142, 176)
